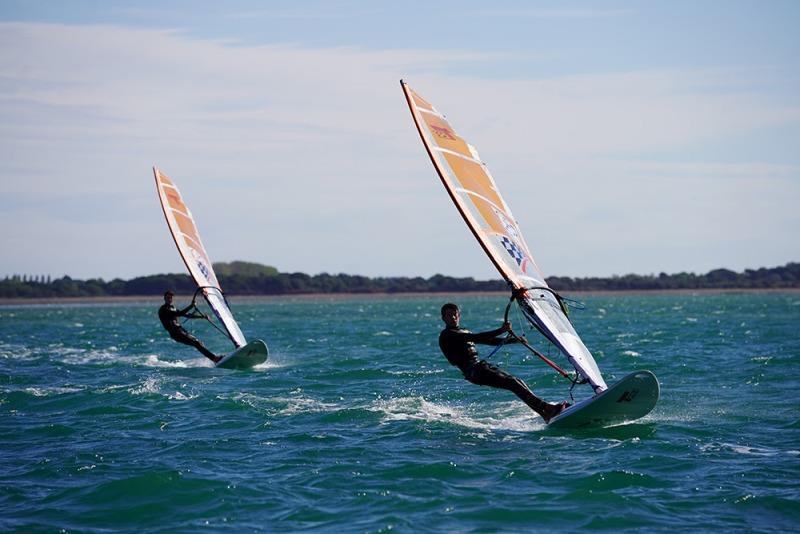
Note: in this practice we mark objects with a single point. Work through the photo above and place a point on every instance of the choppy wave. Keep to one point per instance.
(418, 408)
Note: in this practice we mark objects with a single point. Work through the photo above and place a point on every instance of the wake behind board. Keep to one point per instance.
(250, 355)
(631, 398)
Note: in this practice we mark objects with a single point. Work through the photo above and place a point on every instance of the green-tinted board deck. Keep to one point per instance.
(627, 400)
(245, 357)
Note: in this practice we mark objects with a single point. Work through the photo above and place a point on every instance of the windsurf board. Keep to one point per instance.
(250, 355)
(629, 399)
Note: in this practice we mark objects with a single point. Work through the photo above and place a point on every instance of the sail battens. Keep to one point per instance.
(185, 213)
(432, 111)
(193, 242)
(477, 198)
(477, 195)
(458, 154)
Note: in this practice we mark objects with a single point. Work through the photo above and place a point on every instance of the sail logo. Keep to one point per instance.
(203, 268)
(444, 133)
(513, 250)
(628, 396)
(201, 264)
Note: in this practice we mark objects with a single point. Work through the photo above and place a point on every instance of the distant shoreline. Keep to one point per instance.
(242, 278)
(448, 295)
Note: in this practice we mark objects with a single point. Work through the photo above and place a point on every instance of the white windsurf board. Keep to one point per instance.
(629, 399)
(250, 355)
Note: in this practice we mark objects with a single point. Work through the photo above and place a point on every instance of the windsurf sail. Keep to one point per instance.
(476, 196)
(184, 232)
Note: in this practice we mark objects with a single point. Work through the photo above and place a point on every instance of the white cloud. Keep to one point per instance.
(307, 159)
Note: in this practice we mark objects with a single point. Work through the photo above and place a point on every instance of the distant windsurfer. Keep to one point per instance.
(169, 315)
(458, 346)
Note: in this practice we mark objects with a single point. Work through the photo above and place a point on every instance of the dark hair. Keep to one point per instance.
(449, 306)
(168, 292)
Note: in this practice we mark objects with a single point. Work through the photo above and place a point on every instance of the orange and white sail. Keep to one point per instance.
(187, 238)
(478, 200)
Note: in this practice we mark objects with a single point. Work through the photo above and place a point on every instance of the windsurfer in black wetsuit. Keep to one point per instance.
(169, 315)
(458, 346)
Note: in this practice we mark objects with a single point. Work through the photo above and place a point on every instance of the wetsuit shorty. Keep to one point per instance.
(169, 319)
(458, 346)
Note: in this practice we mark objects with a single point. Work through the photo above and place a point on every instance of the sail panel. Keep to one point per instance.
(473, 178)
(184, 232)
(475, 194)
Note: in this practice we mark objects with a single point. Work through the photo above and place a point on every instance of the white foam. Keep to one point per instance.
(75, 356)
(268, 364)
(47, 391)
(153, 360)
(154, 385)
(302, 404)
(739, 449)
(417, 408)
(151, 384)
(754, 451)
(180, 396)
(15, 351)
(282, 406)
(416, 372)
(275, 360)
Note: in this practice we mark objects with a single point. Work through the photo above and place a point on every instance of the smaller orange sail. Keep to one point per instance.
(184, 232)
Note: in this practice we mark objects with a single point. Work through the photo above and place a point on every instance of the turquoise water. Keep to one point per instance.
(357, 424)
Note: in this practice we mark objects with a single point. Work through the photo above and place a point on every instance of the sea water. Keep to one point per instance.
(356, 423)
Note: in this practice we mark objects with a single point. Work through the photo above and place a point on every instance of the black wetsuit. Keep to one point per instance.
(458, 346)
(169, 315)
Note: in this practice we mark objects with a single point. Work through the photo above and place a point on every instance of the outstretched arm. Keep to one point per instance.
(187, 311)
(491, 337)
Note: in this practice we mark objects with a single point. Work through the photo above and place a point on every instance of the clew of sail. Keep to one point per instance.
(475, 194)
(184, 232)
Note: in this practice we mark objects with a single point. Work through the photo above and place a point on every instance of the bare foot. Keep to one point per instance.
(553, 410)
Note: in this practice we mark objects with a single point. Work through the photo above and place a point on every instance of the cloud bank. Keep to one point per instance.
(307, 159)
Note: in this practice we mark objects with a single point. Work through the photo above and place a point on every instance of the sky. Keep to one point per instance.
(627, 137)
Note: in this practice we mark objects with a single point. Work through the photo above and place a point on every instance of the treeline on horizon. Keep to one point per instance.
(244, 278)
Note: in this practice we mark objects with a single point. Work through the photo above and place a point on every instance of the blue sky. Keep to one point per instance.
(626, 136)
